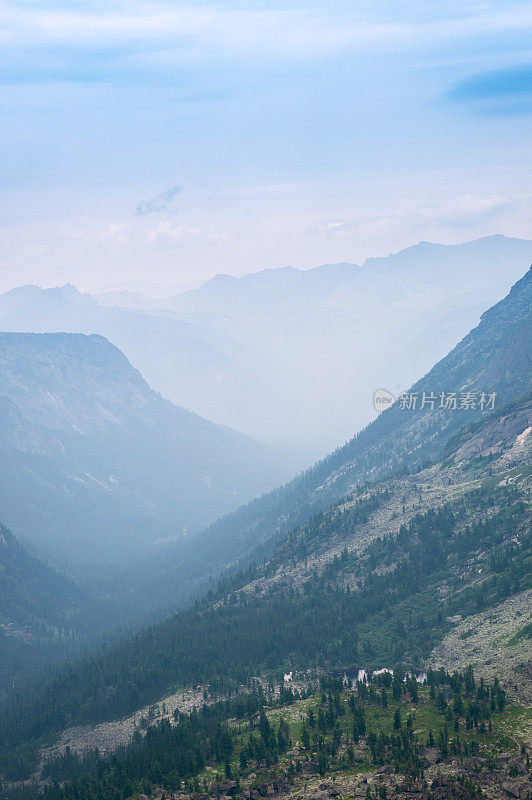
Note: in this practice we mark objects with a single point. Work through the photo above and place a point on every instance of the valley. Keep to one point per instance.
(338, 561)
(407, 549)
(266, 400)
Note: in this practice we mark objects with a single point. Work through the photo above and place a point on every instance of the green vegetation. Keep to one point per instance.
(383, 607)
(37, 606)
(524, 633)
(389, 720)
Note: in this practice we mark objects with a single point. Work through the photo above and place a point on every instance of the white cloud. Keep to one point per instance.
(467, 211)
(364, 225)
(470, 211)
(116, 232)
(163, 33)
(166, 232)
(176, 233)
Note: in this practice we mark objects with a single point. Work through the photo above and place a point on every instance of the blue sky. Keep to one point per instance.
(254, 134)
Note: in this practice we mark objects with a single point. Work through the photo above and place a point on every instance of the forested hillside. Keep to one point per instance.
(450, 737)
(377, 580)
(37, 607)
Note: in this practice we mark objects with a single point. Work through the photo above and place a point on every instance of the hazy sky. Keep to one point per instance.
(169, 141)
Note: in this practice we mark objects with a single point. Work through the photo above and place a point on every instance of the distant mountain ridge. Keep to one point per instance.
(293, 356)
(94, 464)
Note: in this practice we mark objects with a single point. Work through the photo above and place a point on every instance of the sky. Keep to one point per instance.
(168, 142)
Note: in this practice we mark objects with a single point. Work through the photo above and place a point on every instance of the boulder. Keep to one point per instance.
(227, 787)
(430, 754)
(385, 770)
(511, 789)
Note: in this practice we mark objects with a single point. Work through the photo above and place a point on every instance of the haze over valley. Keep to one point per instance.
(292, 357)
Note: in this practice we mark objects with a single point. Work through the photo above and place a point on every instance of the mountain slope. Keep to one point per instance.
(95, 465)
(168, 352)
(493, 358)
(30, 591)
(37, 606)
